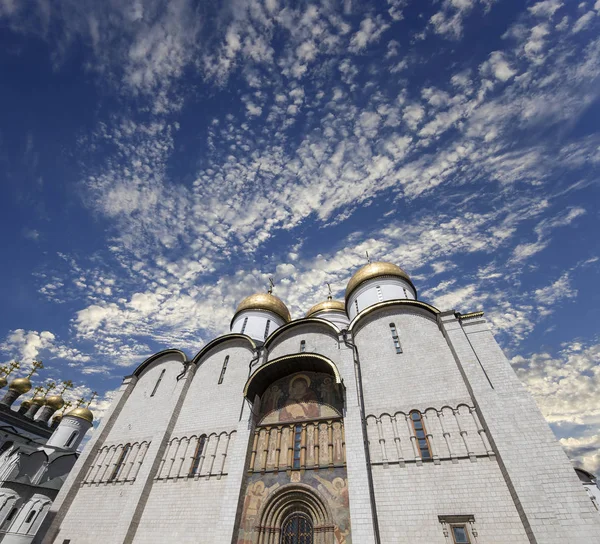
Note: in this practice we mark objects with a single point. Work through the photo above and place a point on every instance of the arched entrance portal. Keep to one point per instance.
(297, 529)
(295, 514)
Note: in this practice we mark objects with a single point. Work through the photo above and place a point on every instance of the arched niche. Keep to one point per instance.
(281, 367)
(295, 500)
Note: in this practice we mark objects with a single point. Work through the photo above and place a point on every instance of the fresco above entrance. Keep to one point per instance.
(301, 396)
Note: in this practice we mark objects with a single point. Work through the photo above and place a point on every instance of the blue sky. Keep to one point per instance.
(159, 161)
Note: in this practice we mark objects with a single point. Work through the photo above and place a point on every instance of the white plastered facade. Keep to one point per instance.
(494, 462)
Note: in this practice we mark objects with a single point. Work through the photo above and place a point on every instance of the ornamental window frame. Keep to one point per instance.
(451, 522)
(196, 467)
(422, 442)
(120, 462)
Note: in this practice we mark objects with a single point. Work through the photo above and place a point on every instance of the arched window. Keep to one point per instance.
(421, 434)
(297, 529)
(6, 446)
(197, 456)
(31, 516)
(297, 445)
(223, 369)
(244, 325)
(120, 463)
(302, 346)
(395, 338)
(71, 439)
(158, 382)
(9, 518)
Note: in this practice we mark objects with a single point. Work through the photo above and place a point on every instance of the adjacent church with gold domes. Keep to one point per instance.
(377, 420)
(36, 452)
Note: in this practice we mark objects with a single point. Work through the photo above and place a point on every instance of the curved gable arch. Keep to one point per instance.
(276, 335)
(284, 366)
(148, 362)
(221, 339)
(406, 304)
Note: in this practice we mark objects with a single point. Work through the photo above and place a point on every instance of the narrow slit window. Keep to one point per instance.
(297, 445)
(302, 346)
(379, 294)
(460, 534)
(71, 439)
(268, 325)
(10, 517)
(356, 305)
(162, 373)
(395, 338)
(223, 369)
(421, 435)
(31, 516)
(405, 292)
(244, 325)
(120, 463)
(197, 456)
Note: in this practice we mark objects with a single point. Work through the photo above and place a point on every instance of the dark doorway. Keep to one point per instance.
(297, 529)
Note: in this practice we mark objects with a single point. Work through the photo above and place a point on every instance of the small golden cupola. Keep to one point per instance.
(72, 426)
(330, 310)
(258, 315)
(53, 403)
(377, 282)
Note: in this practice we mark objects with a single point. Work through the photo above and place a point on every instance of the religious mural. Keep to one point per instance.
(331, 485)
(301, 396)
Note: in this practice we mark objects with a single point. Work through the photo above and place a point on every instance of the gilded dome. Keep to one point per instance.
(375, 270)
(20, 385)
(55, 402)
(25, 405)
(327, 305)
(265, 301)
(3, 381)
(81, 413)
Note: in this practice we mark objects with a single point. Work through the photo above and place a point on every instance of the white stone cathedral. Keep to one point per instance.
(377, 420)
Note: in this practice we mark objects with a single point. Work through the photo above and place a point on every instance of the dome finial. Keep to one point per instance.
(14, 365)
(329, 296)
(35, 366)
(368, 258)
(94, 395)
(271, 286)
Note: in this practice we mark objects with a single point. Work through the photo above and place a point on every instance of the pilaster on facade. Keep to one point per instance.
(231, 502)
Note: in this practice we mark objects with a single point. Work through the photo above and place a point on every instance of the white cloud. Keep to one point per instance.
(546, 8)
(583, 22)
(370, 31)
(498, 67)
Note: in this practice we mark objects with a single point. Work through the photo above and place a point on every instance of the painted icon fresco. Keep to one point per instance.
(330, 485)
(301, 396)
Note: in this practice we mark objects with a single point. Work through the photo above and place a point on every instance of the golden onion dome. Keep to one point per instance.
(39, 400)
(20, 385)
(3, 381)
(329, 304)
(266, 302)
(55, 402)
(25, 405)
(57, 418)
(375, 270)
(81, 413)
